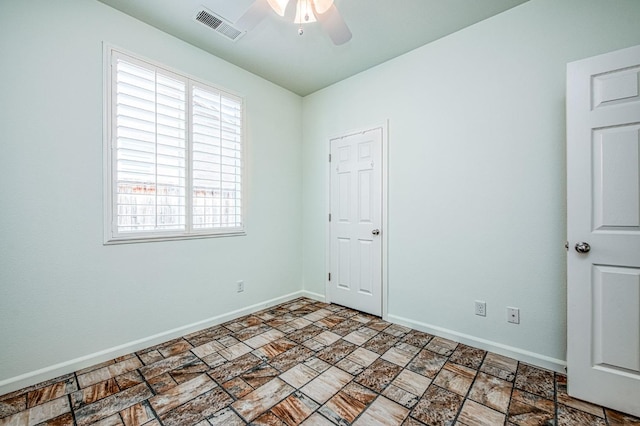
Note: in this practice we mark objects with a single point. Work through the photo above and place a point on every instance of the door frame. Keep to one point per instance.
(384, 127)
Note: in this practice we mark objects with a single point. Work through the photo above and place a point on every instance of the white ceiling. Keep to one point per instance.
(382, 30)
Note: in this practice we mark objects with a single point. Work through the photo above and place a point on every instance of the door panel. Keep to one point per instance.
(603, 208)
(356, 211)
(616, 308)
(365, 273)
(344, 195)
(343, 277)
(364, 192)
(616, 87)
(616, 177)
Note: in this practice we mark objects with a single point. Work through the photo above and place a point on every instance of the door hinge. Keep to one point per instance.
(329, 276)
(329, 217)
(329, 157)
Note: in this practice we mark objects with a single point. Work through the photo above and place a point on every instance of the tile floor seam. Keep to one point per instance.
(513, 388)
(153, 410)
(466, 397)
(73, 412)
(362, 412)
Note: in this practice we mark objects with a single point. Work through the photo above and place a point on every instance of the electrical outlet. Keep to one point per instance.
(513, 315)
(240, 286)
(481, 308)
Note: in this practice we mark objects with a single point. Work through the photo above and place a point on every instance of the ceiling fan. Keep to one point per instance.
(301, 12)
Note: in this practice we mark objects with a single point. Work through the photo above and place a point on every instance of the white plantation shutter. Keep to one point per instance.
(217, 161)
(150, 149)
(175, 154)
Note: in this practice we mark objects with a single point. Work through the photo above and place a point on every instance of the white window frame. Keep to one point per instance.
(111, 234)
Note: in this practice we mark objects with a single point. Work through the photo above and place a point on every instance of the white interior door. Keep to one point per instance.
(603, 202)
(355, 221)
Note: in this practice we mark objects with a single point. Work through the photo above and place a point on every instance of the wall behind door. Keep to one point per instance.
(476, 169)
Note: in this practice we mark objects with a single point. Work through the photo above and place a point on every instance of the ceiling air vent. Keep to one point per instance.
(219, 24)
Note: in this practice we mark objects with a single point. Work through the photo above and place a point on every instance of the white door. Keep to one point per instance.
(603, 207)
(356, 218)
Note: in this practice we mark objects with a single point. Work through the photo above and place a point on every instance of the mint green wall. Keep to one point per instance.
(476, 169)
(63, 294)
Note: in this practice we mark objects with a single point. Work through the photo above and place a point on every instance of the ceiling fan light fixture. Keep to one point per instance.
(307, 11)
(304, 12)
(304, 9)
(278, 6)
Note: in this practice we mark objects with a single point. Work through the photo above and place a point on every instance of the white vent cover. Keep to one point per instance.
(218, 23)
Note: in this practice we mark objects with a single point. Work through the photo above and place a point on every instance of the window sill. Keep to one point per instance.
(160, 238)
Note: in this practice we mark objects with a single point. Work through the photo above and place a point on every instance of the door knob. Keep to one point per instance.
(376, 232)
(583, 247)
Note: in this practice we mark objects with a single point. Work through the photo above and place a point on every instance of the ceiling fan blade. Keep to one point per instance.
(290, 10)
(252, 17)
(334, 25)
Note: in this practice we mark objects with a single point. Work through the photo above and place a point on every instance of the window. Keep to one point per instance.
(174, 153)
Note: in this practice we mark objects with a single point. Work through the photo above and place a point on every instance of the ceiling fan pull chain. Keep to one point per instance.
(306, 17)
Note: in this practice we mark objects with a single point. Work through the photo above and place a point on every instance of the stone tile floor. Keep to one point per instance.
(309, 363)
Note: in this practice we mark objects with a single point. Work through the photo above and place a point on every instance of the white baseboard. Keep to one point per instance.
(311, 295)
(31, 378)
(18, 382)
(532, 358)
